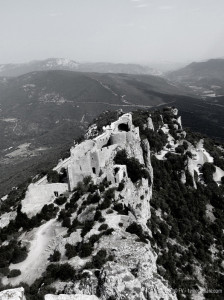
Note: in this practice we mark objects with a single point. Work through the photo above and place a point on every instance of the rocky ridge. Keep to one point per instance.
(99, 235)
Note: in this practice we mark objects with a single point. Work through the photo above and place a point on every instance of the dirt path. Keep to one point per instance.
(37, 258)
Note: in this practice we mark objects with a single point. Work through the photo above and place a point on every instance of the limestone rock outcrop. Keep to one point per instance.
(13, 294)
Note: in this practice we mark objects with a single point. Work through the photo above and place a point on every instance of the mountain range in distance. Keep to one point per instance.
(213, 68)
(201, 78)
(71, 65)
(204, 78)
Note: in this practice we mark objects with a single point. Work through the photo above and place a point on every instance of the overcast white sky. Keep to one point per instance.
(139, 31)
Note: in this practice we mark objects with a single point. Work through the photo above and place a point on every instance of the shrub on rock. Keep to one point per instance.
(14, 273)
(135, 170)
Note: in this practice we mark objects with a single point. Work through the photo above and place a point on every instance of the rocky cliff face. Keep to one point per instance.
(113, 230)
(15, 294)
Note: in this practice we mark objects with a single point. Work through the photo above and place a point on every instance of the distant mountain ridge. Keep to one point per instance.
(213, 68)
(204, 78)
(36, 65)
(11, 70)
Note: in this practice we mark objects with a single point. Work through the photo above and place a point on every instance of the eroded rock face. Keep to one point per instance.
(118, 282)
(13, 294)
(87, 285)
(133, 274)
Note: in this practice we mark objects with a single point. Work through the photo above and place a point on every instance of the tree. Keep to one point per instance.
(185, 145)
(179, 149)
(222, 179)
(62, 272)
(103, 227)
(60, 200)
(100, 258)
(56, 256)
(86, 250)
(66, 222)
(14, 273)
(208, 169)
(52, 176)
(19, 255)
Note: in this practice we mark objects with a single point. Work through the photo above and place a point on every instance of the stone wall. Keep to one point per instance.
(39, 195)
(92, 156)
(119, 138)
(102, 139)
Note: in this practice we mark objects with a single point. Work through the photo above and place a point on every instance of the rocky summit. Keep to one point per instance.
(135, 212)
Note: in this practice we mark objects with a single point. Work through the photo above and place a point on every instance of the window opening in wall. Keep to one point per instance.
(123, 127)
(94, 170)
(116, 170)
(107, 144)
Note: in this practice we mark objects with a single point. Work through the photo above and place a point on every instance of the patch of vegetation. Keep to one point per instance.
(14, 273)
(48, 212)
(179, 149)
(88, 225)
(135, 228)
(75, 225)
(193, 137)
(62, 272)
(66, 222)
(63, 214)
(135, 170)
(93, 198)
(189, 179)
(121, 209)
(85, 249)
(208, 169)
(56, 256)
(52, 176)
(98, 215)
(184, 219)
(60, 200)
(106, 118)
(12, 253)
(121, 186)
(63, 176)
(103, 227)
(108, 196)
(14, 197)
(101, 258)
(108, 231)
(71, 250)
(157, 138)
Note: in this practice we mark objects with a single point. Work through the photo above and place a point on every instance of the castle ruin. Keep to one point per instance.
(93, 157)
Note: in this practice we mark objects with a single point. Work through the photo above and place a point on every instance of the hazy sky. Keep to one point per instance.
(138, 31)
